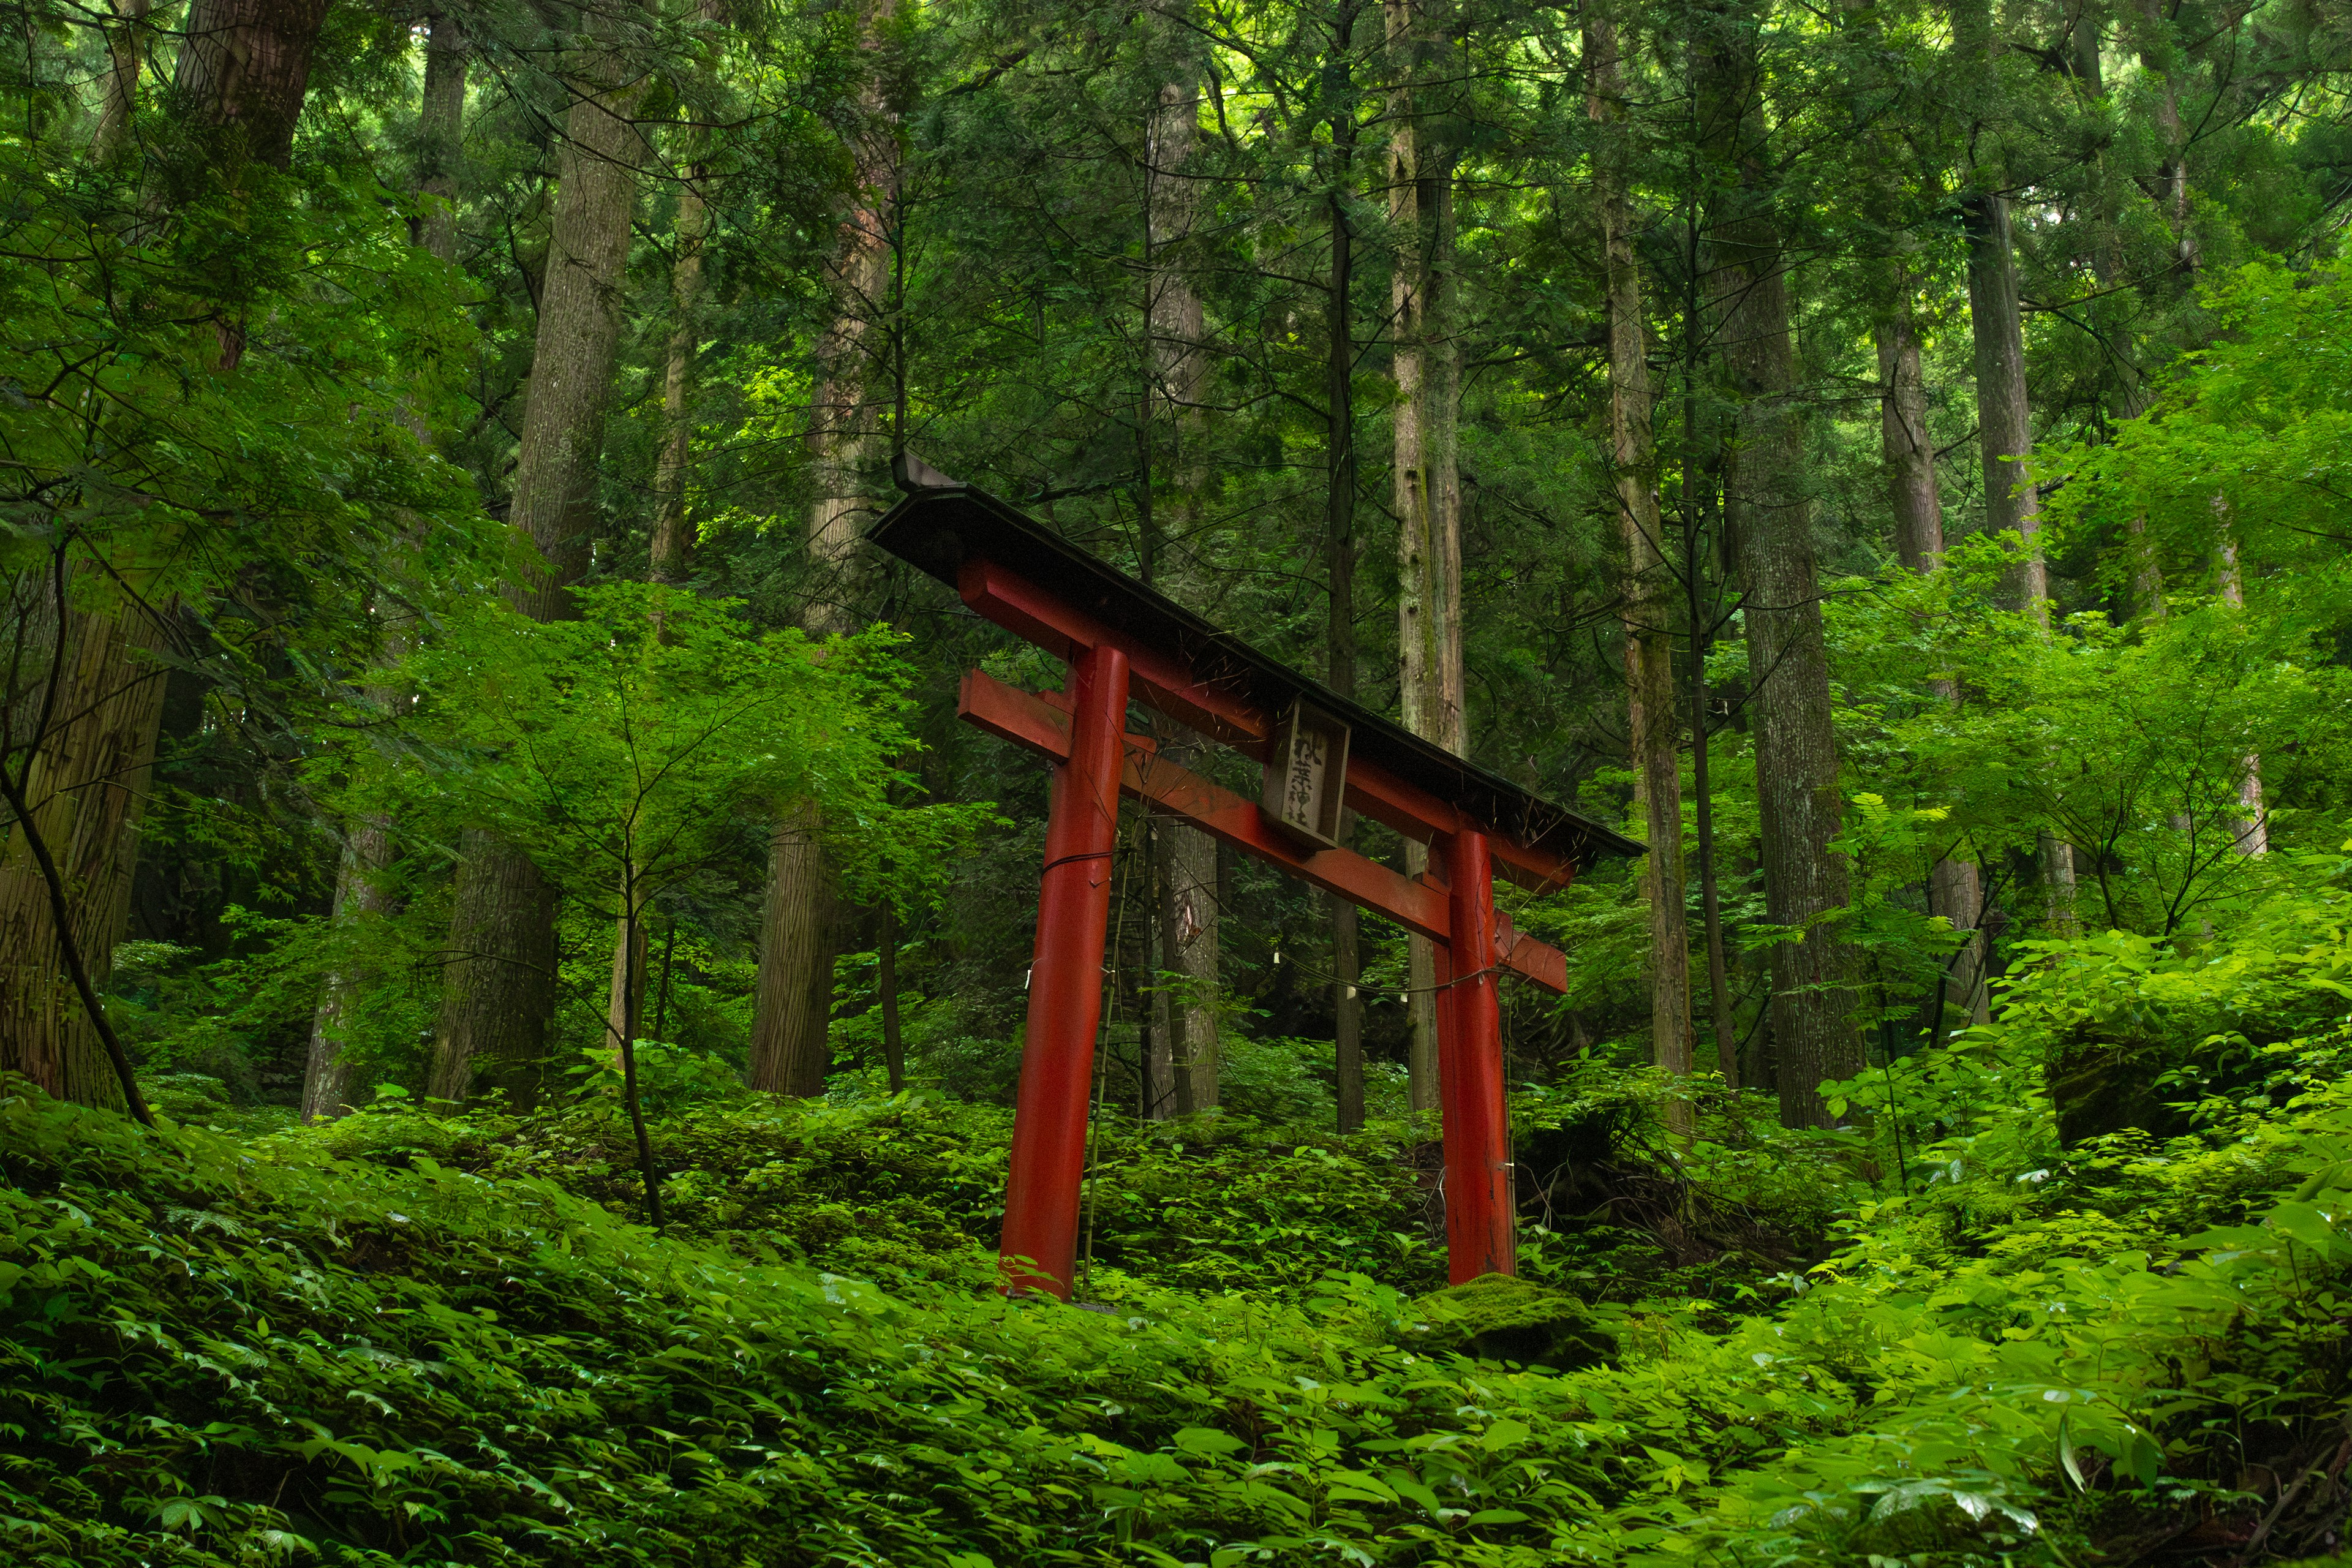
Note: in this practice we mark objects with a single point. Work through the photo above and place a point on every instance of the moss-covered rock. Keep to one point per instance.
(1502, 1319)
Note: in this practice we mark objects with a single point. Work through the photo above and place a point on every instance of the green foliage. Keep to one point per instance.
(622, 749)
(439, 1353)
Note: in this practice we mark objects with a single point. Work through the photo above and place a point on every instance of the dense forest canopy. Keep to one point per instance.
(497, 905)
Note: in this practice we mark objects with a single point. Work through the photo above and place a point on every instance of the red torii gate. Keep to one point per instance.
(1124, 642)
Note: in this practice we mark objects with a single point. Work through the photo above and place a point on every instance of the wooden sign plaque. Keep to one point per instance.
(1307, 776)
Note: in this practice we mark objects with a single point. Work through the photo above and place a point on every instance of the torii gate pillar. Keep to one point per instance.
(1066, 984)
(1480, 1199)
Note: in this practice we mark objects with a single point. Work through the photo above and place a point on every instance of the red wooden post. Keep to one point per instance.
(1480, 1200)
(1066, 985)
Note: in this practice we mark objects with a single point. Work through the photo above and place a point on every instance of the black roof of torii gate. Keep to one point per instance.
(941, 522)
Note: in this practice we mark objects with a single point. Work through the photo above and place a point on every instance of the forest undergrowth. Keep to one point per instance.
(1935, 1335)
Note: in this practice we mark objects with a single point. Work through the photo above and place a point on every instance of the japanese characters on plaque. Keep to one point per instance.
(1307, 774)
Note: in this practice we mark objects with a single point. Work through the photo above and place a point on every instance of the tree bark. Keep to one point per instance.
(84, 781)
(845, 430)
(793, 1009)
(1421, 597)
(1769, 514)
(2004, 409)
(1188, 924)
(1650, 586)
(885, 982)
(2004, 412)
(671, 556)
(1954, 888)
(498, 979)
(624, 1002)
(498, 982)
(440, 145)
(1188, 909)
(2160, 53)
(2254, 838)
(121, 89)
(359, 897)
(243, 70)
(1340, 566)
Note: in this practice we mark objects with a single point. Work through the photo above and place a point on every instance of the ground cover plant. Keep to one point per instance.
(402, 1337)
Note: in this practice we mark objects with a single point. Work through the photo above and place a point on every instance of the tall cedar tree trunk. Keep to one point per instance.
(1187, 861)
(2159, 59)
(671, 555)
(669, 552)
(1421, 599)
(243, 70)
(1339, 563)
(1767, 511)
(792, 1010)
(498, 973)
(1650, 586)
(84, 782)
(2004, 407)
(80, 764)
(368, 847)
(1954, 888)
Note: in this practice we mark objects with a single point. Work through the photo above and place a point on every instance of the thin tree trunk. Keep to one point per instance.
(2159, 55)
(1649, 579)
(1440, 444)
(498, 982)
(1420, 592)
(1905, 445)
(2004, 411)
(631, 942)
(1188, 924)
(2004, 408)
(2254, 838)
(1167, 1092)
(885, 982)
(1789, 704)
(359, 897)
(792, 1010)
(1340, 566)
(624, 1001)
(1187, 907)
(672, 550)
(1954, 889)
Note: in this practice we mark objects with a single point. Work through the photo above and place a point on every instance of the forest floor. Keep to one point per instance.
(403, 1338)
